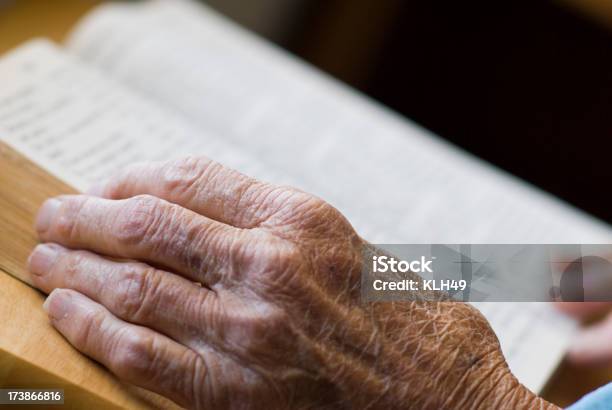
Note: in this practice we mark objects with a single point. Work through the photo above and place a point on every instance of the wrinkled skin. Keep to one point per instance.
(222, 292)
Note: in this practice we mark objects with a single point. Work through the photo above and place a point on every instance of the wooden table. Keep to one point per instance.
(21, 20)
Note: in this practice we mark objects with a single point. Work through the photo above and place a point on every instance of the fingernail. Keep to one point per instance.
(46, 214)
(58, 304)
(42, 259)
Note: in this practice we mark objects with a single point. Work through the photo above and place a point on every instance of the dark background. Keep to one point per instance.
(527, 85)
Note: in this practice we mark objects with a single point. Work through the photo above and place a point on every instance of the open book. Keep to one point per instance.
(163, 79)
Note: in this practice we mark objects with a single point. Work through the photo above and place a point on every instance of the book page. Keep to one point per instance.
(396, 182)
(83, 127)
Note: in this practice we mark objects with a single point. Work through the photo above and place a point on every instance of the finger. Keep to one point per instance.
(593, 345)
(134, 292)
(583, 310)
(144, 228)
(199, 184)
(135, 354)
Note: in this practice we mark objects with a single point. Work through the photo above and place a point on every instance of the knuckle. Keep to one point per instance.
(303, 210)
(273, 259)
(72, 263)
(312, 214)
(137, 293)
(251, 204)
(180, 177)
(137, 219)
(89, 333)
(320, 211)
(134, 352)
(242, 252)
(280, 269)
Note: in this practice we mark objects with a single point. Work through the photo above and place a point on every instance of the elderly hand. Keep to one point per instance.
(220, 291)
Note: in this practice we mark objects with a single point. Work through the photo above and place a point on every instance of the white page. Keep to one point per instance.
(83, 127)
(396, 182)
